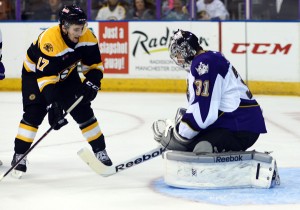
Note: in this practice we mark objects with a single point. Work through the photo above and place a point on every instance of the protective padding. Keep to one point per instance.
(203, 147)
(218, 170)
(34, 114)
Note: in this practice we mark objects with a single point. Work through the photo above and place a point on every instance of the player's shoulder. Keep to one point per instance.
(120, 7)
(88, 38)
(205, 57)
(210, 56)
(51, 42)
(104, 8)
(208, 62)
(218, 3)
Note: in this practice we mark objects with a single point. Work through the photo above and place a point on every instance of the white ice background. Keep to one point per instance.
(57, 179)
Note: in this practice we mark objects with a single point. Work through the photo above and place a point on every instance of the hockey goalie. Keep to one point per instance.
(207, 142)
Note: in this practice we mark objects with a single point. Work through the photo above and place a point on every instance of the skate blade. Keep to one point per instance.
(17, 174)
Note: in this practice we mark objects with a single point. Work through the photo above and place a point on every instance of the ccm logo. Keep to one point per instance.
(260, 48)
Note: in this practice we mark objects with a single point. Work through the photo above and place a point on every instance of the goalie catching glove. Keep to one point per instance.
(56, 116)
(166, 133)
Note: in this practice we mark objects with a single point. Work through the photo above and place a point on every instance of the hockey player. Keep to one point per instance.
(222, 114)
(2, 69)
(51, 83)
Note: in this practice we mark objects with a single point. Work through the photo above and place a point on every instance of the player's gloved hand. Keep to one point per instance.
(173, 141)
(55, 116)
(2, 71)
(168, 136)
(159, 127)
(88, 90)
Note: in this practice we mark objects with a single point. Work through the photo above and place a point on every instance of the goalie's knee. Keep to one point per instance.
(203, 147)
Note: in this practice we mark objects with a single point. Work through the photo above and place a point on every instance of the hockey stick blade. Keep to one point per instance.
(89, 158)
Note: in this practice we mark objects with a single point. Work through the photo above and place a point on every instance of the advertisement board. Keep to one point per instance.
(149, 56)
(114, 47)
(265, 52)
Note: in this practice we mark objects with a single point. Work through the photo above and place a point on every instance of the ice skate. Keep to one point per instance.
(20, 168)
(103, 157)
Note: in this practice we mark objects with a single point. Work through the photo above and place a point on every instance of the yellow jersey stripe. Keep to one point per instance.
(86, 69)
(27, 127)
(92, 138)
(44, 81)
(90, 127)
(23, 138)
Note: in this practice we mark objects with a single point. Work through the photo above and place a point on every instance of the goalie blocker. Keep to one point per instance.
(220, 170)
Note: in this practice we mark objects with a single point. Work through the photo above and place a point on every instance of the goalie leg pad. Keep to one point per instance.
(219, 170)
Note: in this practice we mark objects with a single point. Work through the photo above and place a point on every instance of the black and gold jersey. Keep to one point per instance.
(52, 60)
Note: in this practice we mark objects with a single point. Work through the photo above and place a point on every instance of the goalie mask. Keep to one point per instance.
(183, 48)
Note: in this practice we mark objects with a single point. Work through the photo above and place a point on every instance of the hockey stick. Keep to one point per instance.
(42, 137)
(89, 158)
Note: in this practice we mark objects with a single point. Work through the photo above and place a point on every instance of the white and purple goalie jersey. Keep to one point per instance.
(218, 98)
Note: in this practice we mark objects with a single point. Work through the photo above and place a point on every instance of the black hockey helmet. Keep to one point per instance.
(186, 44)
(72, 14)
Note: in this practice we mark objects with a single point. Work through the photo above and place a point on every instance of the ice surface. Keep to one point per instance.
(58, 179)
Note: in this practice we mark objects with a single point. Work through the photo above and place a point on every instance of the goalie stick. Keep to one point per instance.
(90, 159)
(38, 141)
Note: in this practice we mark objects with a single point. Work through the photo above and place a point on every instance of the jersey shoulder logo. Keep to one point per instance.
(202, 68)
(51, 44)
(48, 47)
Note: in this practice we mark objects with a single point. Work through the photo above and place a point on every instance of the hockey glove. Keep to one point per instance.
(88, 90)
(171, 141)
(55, 116)
(168, 136)
(2, 71)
